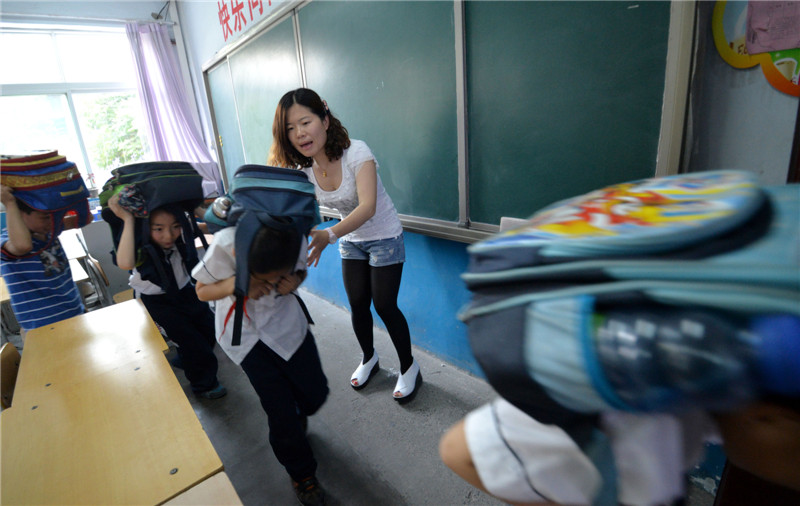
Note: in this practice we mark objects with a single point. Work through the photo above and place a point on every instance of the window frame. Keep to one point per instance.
(67, 88)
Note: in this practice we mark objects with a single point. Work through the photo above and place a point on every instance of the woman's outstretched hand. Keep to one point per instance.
(319, 240)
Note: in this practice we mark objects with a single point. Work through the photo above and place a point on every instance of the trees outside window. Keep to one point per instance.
(67, 88)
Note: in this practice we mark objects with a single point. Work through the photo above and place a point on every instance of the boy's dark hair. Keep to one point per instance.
(274, 249)
(282, 153)
(23, 207)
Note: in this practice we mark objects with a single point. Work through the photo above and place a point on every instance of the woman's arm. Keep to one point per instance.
(367, 190)
(126, 251)
(215, 291)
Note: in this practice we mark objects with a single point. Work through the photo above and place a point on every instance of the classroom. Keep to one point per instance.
(479, 112)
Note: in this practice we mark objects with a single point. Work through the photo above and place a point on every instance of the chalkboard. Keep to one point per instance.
(564, 98)
(229, 138)
(561, 97)
(387, 70)
(262, 72)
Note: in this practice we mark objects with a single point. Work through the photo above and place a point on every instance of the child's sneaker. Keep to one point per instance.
(215, 393)
(309, 492)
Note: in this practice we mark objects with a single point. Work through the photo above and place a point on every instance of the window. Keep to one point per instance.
(71, 89)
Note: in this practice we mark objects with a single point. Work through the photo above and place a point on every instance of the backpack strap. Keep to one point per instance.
(304, 308)
(196, 231)
(246, 228)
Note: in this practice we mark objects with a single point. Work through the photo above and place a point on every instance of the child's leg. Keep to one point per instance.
(179, 316)
(309, 384)
(266, 372)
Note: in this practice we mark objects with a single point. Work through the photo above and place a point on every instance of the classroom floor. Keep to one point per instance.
(370, 450)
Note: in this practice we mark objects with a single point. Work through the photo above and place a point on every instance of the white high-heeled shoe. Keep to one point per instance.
(364, 372)
(407, 384)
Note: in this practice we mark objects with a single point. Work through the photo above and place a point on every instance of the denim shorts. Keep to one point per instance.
(379, 253)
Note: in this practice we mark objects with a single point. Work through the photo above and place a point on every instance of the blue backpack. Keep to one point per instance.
(262, 195)
(653, 295)
(48, 182)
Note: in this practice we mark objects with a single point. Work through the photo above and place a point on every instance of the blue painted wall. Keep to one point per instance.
(431, 294)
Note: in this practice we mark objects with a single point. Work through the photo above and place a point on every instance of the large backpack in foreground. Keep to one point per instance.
(649, 296)
(48, 182)
(262, 195)
(145, 187)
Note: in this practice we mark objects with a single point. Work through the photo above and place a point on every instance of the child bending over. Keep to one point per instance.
(277, 350)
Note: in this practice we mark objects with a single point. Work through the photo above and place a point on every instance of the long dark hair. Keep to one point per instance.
(282, 153)
(274, 249)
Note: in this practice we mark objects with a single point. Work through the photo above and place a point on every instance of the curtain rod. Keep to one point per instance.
(55, 17)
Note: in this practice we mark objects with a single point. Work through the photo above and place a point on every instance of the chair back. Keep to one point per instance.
(9, 366)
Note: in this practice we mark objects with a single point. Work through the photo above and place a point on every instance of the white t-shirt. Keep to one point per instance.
(384, 224)
(277, 320)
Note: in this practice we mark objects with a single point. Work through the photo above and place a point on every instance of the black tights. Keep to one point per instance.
(365, 284)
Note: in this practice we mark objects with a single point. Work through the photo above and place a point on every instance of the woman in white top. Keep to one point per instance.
(344, 171)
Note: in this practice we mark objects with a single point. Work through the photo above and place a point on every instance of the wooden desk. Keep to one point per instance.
(98, 417)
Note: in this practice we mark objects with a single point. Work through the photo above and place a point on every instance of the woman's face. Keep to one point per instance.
(306, 131)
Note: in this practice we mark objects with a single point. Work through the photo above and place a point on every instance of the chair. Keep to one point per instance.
(9, 366)
(98, 278)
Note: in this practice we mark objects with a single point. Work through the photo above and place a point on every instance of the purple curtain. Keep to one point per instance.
(172, 130)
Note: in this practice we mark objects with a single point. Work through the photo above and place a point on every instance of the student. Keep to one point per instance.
(41, 287)
(675, 371)
(277, 350)
(187, 321)
(508, 454)
(344, 172)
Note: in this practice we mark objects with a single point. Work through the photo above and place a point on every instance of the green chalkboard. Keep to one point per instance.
(564, 98)
(262, 72)
(387, 70)
(560, 97)
(229, 138)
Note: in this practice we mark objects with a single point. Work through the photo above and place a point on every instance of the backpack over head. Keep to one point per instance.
(700, 274)
(144, 187)
(46, 181)
(262, 195)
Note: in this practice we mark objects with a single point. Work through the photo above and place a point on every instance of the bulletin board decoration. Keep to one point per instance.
(728, 25)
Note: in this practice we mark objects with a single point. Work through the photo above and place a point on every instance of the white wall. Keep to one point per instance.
(117, 9)
(739, 120)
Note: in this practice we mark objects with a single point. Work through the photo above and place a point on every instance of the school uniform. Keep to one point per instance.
(635, 459)
(188, 321)
(277, 352)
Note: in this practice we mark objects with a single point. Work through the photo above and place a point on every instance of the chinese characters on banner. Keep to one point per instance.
(233, 14)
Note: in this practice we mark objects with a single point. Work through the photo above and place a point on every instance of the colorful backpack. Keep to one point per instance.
(144, 187)
(48, 182)
(262, 195)
(653, 295)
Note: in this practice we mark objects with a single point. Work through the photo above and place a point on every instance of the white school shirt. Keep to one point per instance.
(521, 460)
(141, 286)
(276, 320)
(384, 224)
